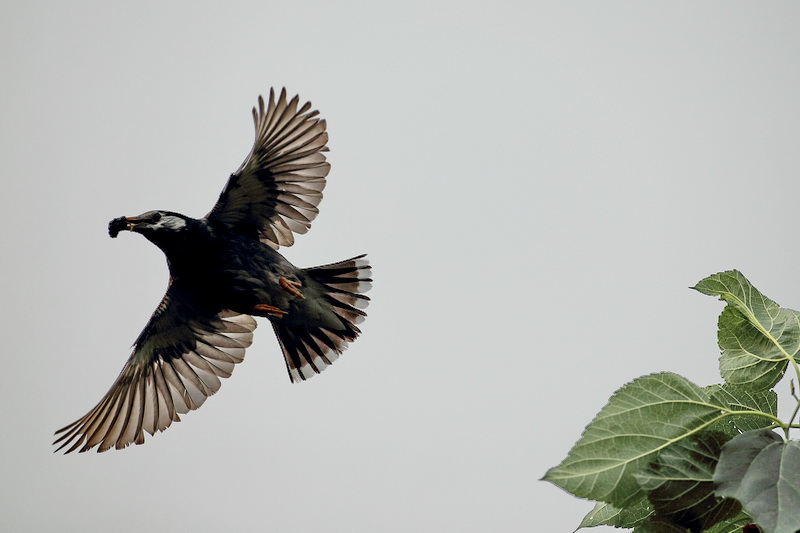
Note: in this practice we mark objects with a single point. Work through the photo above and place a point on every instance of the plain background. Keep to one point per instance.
(537, 184)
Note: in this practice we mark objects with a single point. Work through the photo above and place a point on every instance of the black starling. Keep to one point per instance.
(224, 269)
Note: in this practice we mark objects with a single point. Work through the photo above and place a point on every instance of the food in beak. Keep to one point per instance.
(117, 225)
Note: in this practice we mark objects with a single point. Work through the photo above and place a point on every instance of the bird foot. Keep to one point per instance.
(291, 287)
(268, 310)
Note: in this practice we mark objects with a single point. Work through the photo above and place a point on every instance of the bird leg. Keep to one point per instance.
(291, 287)
(268, 310)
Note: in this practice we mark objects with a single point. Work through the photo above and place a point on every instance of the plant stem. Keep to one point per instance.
(790, 423)
(794, 413)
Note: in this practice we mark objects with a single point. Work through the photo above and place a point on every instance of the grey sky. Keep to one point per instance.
(537, 184)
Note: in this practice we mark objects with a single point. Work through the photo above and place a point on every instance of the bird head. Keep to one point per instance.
(149, 223)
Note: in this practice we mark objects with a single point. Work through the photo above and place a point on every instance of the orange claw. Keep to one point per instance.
(291, 287)
(269, 310)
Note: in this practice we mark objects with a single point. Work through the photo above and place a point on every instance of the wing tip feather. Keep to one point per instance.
(288, 149)
(150, 398)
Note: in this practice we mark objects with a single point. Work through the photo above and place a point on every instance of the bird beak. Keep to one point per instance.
(122, 224)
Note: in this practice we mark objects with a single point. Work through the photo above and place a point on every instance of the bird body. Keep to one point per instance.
(224, 269)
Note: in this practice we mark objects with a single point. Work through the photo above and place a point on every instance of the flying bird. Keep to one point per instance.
(224, 270)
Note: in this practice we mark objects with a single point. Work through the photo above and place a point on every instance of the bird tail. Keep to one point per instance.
(313, 336)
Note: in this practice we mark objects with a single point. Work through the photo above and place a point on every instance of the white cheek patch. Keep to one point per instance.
(170, 222)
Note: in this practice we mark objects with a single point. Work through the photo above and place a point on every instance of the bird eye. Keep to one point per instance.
(156, 217)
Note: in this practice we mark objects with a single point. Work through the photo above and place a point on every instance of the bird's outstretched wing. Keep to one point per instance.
(276, 191)
(176, 364)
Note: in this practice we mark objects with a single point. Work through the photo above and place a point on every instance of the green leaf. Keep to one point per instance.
(732, 525)
(761, 471)
(679, 483)
(756, 335)
(749, 358)
(605, 514)
(641, 419)
(744, 400)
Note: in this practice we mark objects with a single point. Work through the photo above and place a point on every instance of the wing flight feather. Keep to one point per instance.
(276, 191)
(177, 363)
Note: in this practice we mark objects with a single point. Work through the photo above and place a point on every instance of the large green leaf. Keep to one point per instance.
(605, 514)
(639, 515)
(641, 419)
(679, 483)
(761, 470)
(746, 401)
(732, 525)
(756, 335)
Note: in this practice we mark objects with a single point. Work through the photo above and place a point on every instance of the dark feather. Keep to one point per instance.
(276, 191)
(176, 364)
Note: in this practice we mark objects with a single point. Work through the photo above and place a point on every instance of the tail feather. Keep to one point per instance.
(308, 346)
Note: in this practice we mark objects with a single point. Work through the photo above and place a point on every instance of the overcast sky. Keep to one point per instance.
(536, 184)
